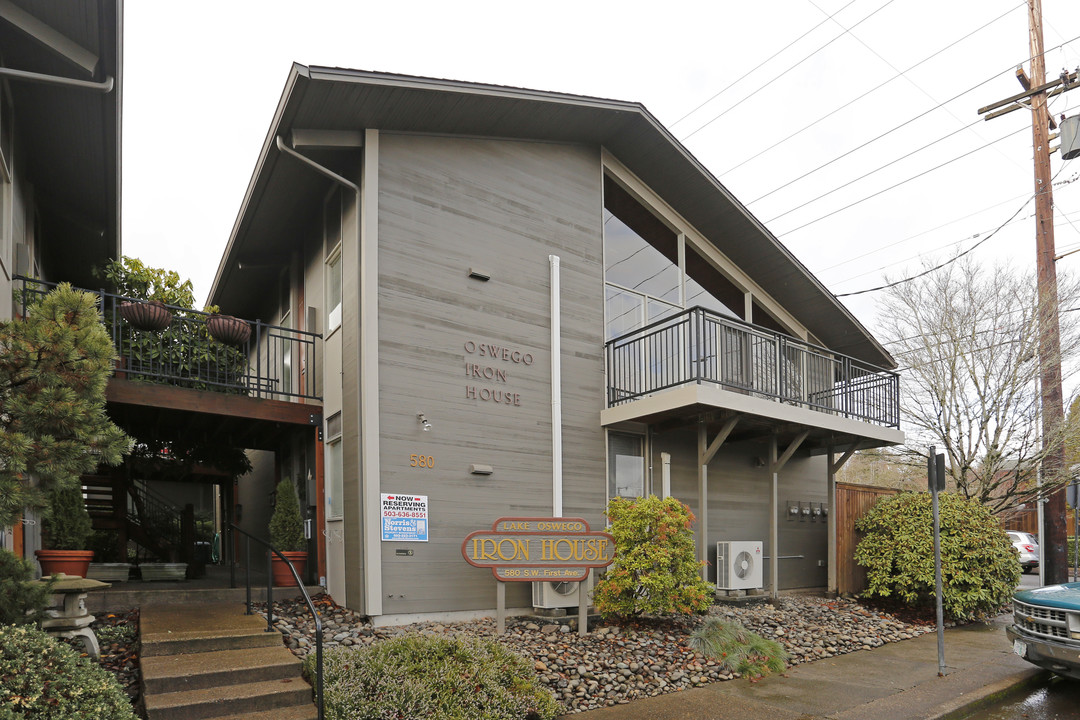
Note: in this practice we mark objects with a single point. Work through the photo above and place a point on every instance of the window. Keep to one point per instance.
(332, 250)
(285, 315)
(334, 468)
(626, 466)
(643, 276)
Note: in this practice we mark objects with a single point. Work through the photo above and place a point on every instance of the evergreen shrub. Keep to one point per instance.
(42, 678)
(286, 524)
(432, 677)
(655, 571)
(979, 567)
(66, 525)
(21, 602)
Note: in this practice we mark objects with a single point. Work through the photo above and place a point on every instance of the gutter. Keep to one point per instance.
(104, 87)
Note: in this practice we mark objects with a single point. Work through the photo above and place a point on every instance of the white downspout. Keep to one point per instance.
(556, 391)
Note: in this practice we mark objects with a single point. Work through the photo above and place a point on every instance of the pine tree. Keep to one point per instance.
(53, 369)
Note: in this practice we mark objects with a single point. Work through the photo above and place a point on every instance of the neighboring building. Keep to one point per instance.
(60, 83)
(505, 282)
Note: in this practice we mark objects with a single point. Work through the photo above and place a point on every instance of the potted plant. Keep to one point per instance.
(151, 315)
(287, 535)
(228, 329)
(65, 530)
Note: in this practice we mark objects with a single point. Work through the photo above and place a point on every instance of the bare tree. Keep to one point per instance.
(966, 337)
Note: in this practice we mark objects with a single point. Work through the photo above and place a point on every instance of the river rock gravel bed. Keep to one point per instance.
(617, 662)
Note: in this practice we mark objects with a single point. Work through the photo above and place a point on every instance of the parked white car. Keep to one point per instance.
(1027, 546)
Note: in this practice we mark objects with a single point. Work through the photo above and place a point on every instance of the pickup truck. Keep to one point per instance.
(1046, 627)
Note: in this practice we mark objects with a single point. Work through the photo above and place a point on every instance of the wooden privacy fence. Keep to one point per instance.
(1027, 520)
(852, 502)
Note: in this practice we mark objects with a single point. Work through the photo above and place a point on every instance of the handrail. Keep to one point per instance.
(263, 366)
(248, 537)
(699, 345)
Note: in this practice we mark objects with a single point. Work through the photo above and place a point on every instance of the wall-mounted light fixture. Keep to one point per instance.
(423, 421)
(478, 274)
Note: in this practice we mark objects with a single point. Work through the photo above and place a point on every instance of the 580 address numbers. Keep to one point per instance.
(422, 461)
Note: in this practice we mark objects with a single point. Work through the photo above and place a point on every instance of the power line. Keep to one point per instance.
(759, 65)
(770, 82)
(920, 234)
(869, 92)
(874, 171)
(956, 257)
(947, 262)
(902, 182)
(895, 128)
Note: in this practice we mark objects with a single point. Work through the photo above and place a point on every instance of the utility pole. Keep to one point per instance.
(1053, 414)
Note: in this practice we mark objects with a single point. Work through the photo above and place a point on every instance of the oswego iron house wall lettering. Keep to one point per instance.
(490, 353)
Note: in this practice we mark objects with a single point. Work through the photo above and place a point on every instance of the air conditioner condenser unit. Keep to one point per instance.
(738, 564)
(560, 594)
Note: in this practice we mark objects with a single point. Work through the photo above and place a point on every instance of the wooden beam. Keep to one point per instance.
(835, 467)
(781, 461)
(710, 452)
(1069, 78)
(128, 392)
(50, 38)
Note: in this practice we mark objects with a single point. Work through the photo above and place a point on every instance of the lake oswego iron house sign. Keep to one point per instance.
(521, 549)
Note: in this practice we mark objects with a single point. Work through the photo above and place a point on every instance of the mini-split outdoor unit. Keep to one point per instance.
(561, 594)
(738, 564)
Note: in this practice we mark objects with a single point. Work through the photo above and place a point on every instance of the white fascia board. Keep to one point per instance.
(712, 396)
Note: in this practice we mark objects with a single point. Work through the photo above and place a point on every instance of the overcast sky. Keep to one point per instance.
(731, 80)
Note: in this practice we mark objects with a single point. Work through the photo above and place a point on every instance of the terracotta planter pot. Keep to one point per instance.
(282, 576)
(153, 315)
(69, 562)
(228, 329)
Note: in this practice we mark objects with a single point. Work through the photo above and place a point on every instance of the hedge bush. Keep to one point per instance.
(433, 677)
(21, 602)
(979, 567)
(656, 571)
(45, 679)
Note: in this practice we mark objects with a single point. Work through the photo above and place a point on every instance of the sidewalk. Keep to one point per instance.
(897, 681)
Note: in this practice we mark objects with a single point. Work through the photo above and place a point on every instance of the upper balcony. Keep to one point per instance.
(271, 362)
(722, 362)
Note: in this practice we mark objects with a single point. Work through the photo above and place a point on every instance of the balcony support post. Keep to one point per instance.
(776, 464)
(706, 452)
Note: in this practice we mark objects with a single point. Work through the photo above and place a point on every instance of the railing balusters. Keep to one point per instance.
(699, 345)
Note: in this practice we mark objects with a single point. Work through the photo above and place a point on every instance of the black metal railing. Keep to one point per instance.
(702, 346)
(270, 552)
(273, 362)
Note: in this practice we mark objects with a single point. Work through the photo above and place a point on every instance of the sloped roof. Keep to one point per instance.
(280, 195)
(70, 135)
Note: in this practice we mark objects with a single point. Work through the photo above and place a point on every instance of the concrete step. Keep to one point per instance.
(194, 671)
(173, 630)
(212, 643)
(300, 712)
(258, 699)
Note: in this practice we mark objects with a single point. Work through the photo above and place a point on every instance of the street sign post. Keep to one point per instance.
(935, 478)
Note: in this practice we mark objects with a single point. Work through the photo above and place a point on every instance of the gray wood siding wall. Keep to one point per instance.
(447, 205)
(738, 500)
